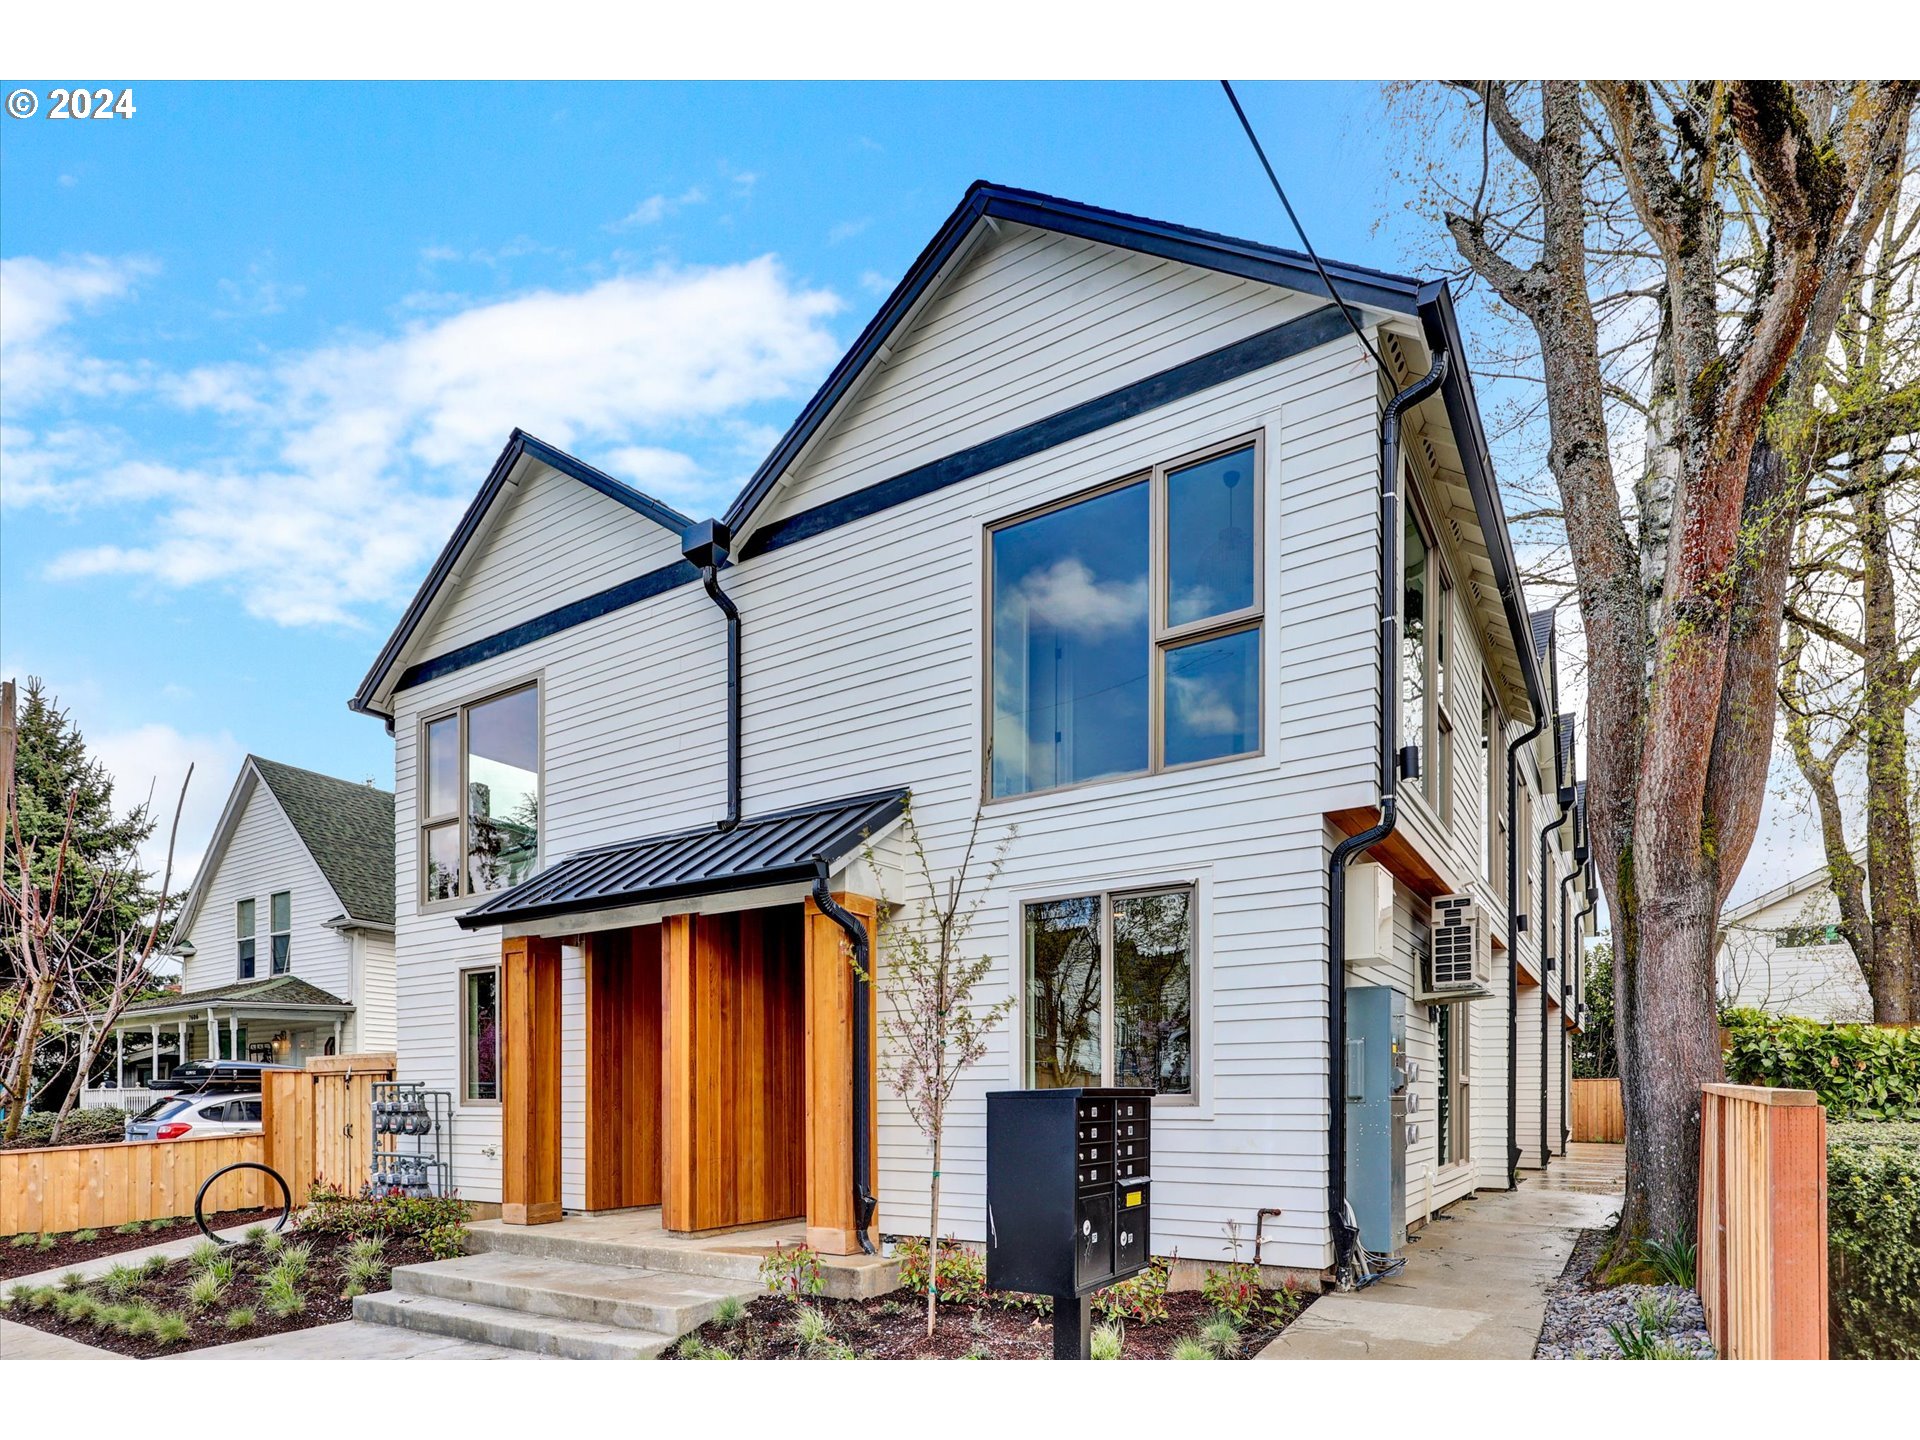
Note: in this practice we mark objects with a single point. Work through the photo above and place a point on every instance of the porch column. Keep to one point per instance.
(530, 1080)
(119, 1060)
(153, 1063)
(213, 1037)
(180, 1026)
(831, 1225)
(233, 1036)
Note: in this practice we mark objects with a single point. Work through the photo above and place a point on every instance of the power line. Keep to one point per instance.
(1300, 230)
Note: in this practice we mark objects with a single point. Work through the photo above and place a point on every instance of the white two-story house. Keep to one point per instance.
(285, 938)
(1085, 535)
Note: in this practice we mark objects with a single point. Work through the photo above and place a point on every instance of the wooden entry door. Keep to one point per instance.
(623, 1068)
(733, 1052)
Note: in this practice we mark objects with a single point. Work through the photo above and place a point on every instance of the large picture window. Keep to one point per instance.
(1125, 627)
(480, 796)
(1109, 990)
(480, 1035)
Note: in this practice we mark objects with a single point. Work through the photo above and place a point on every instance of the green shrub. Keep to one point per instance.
(1191, 1347)
(1108, 1341)
(205, 1289)
(119, 1280)
(83, 1127)
(131, 1227)
(1873, 1241)
(280, 1293)
(793, 1270)
(1235, 1292)
(1860, 1072)
(1221, 1336)
(729, 1312)
(84, 1237)
(1141, 1298)
(1675, 1259)
(172, 1329)
(73, 1280)
(204, 1254)
(961, 1272)
(240, 1318)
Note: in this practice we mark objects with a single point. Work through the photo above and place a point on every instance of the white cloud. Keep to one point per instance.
(338, 472)
(1067, 596)
(655, 208)
(38, 300)
(847, 229)
(153, 759)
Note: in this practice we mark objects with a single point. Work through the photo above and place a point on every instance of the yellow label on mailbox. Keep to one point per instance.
(1134, 1197)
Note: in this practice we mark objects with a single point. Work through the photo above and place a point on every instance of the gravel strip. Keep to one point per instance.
(1578, 1315)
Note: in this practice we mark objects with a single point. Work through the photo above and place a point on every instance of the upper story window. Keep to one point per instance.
(480, 796)
(243, 937)
(1126, 627)
(1493, 758)
(1426, 610)
(280, 930)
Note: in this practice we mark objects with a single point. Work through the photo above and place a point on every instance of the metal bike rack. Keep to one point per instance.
(199, 1200)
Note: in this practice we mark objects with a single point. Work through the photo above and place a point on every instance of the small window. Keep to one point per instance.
(1426, 618)
(1493, 760)
(243, 932)
(480, 1036)
(1125, 627)
(480, 796)
(1109, 991)
(280, 930)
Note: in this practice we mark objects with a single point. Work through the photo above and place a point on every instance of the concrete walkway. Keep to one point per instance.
(354, 1340)
(190, 1239)
(1475, 1283)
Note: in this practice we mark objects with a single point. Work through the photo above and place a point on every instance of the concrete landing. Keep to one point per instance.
(352, 1340)
(1475, 1283)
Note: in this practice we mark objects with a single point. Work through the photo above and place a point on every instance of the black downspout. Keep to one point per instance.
(1514, 747)
(1566, 973)
(705, 546)
(864, 1202)
(1344, 1234)
(1546, 960)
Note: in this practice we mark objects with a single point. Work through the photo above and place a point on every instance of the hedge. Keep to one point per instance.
(1860, 1072)
(83, 1127)
(1873, 1241)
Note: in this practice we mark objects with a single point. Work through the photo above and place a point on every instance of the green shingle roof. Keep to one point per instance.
(272, 990)
(349, 830)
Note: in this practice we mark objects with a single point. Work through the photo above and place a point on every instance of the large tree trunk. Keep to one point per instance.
(20, 1072)
(1893, 972)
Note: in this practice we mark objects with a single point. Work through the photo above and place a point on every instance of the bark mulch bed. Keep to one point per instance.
(894, 1327)
(323, 1296)
(67, 1251)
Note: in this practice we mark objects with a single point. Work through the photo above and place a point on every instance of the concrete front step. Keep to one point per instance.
(514, 1329)
(671, 1304)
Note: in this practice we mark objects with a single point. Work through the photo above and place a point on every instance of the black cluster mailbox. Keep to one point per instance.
(1069, 1202)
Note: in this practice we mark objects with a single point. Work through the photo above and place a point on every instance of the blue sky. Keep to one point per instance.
(262, 341)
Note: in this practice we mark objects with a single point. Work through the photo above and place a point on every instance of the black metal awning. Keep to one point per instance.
(775, 849)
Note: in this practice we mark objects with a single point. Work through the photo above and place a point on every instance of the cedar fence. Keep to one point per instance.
(1598, 1113)
(1762, 1267)
(315, 1125)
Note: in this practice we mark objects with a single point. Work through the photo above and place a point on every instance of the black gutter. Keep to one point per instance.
(864, 1202)
(1514, 748)
(1345, 1234)
(705, 546)
(1546, 961)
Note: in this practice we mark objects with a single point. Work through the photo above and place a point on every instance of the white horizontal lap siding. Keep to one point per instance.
(863, 668)
(265, 855)
(1528, 1102)
(553, 540)
(374, 1008)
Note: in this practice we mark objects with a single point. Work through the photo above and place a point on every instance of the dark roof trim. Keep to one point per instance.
(1442, 326)
(518, 444)
(1256, 352)
(1246, 258)
(777, 848)
(1269, 347)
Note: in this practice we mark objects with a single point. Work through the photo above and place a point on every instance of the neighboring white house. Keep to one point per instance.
(1783, 952)
(1085, 531)
(285, 939)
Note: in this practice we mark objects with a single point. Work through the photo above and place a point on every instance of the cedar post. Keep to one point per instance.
(831, 1226)
(530, 1080)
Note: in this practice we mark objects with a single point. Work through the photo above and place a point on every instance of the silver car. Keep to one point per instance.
(196, 1117)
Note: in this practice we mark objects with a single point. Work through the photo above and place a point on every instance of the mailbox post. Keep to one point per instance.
(1069, 1198)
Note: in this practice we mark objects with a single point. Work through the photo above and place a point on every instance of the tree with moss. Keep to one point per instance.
(1673, 259)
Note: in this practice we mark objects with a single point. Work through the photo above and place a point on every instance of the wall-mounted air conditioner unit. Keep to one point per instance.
(1369, 915)
(1459, 959)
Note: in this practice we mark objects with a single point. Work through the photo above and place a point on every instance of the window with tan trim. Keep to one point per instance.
(479, 795)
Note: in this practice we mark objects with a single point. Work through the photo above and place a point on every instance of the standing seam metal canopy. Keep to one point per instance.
(768, 850)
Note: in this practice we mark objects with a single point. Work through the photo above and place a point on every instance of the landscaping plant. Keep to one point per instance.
(960, 1274)
(1860, 1072)
(1141, 1297)
(935, 1029)
(1674, 1259)
(793, 1271)
(1873, 1241)
(1108, 1341)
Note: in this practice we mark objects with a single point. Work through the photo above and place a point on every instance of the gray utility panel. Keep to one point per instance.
(1378, 1074)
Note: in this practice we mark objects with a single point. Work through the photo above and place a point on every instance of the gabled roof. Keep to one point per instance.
(271, 990)
(1540, 622)
(520, 446)
(1813, 879)
(1563, 756)
(774, 849)
(346, 827)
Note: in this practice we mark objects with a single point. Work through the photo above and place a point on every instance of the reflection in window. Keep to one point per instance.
(480, 1034)
(1413, 637)
(1210, 551)
(1063, 992)
(243, 932)
(1071, 644)
(1153, 991)
(280, 930)
(1213, 698)
(503, 790)
(1109, 991)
